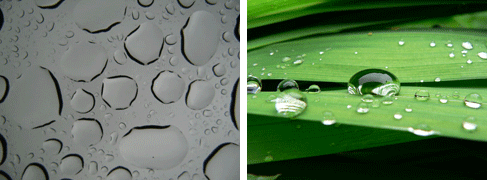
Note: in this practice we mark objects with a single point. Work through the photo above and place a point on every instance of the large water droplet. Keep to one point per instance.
(35, 171)
(87, 132)
(4, 88)
(287, 84)
(82, 101)
(473, 100)
(101, 17)
(144, 44)
(200, 37)
(48, 3)
(254, 85)
(168, 87)
(71, 164)
(290, 103)
(223, 163)
(119, 91)
(36, 88)
(119, 173)
(374, 81)
(83, 61)
(200, 95)
(155, 147)
(422, 95)
(3, 149)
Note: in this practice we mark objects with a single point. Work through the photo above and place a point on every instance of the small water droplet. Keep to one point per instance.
(290, 103)
(421, 130)
(449, 45)
(374, 81)
(254, 85)
(456, 95)
(313, 89)
(362, 108)
(328, 118)
(437, 79)
(473, 100)
(467, 45)
(401, 43)
(443, 99)
(432, 44)
(469, 124)
(286, 59)
(451, 55)
(298, 62)
(122, 126)
(408, 108)
(469, 61)
(376, 103)
(387, 100)
(368, 98)
(398, 116)
(270, 98)
(349, 106)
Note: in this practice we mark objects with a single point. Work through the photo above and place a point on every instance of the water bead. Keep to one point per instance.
(362, 108)
(313, 89)
(473, 100)
(368, 98)
(374, 81)
(287, 84)
(290, 103)
(254, 85)
(328, 118)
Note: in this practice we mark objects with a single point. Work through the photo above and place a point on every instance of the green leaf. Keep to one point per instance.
(255, 177)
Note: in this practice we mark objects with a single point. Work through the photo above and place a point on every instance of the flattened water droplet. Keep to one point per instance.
(35, 171)
(374, 81)
(362, 108)
(421, 130)
(200, 95)
(71, 164)
(168, 87)
(119, 91)
(200, 37)
(83, 61)
(224, 163)
(155, 147)
(144, 44)
(101, 17)
(467, 45)
(287, 84)
(87, 132)
(473, 100)
(290, 103)
(52, 146)
(82, 101)
(313, 89)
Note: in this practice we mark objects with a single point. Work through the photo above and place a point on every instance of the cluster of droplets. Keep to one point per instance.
(84, 87)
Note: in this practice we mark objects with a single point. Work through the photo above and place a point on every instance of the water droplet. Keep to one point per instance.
(268, 158)
(35, 171)
(408, 108)
(168, 87)
(83, 61)
(374, 81)
(120, 57)
(52, 146)
(313, 89)
(362, 108)
(473, 100)
(224, 164)
(451, 55)
(422, 95)
(290, 103)
(398, 116)
(145, 3)
(286, 59)
(82, 101)
(119, 91)
(482, 55)
(159, 147)
(437, 79)
(449, 45)
(287, 84)
(200, 95)
(93, 167)
(71, 164)
(375, 103)
(145, 43)
(122, 126)
(467, 45)
(200, 37)
(469, 124)
(328, 118)
(387, 100)
(469, 61)
(432, 44)
(401, 43)
(368, 98)
(456, 95)
(443, 99)
(298, 62)
(87, 132)
(421, 130)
